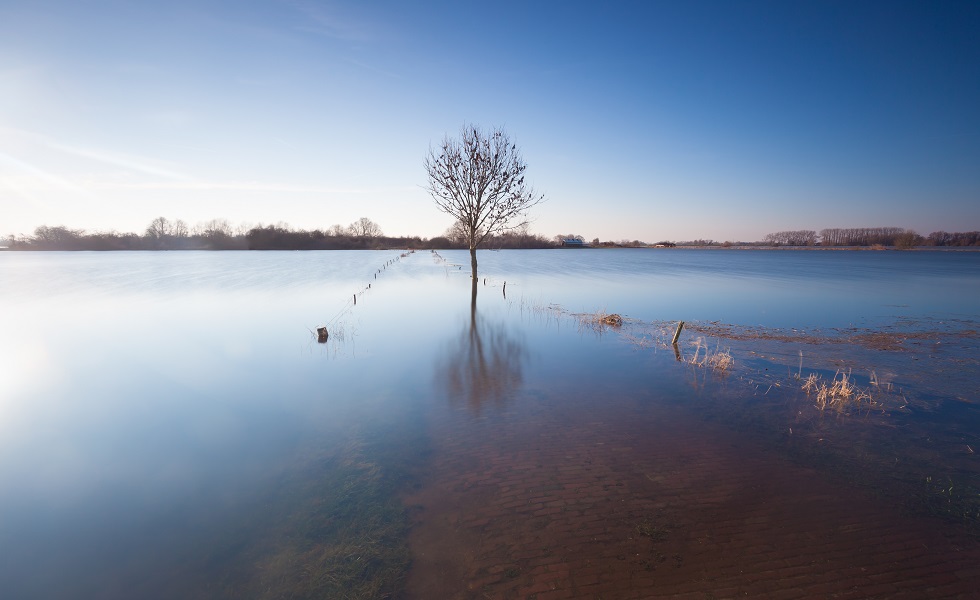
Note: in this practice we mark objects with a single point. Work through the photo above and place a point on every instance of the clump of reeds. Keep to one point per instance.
(840, 394)
(717, 360)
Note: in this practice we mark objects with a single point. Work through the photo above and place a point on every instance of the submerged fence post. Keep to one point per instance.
(677, 334)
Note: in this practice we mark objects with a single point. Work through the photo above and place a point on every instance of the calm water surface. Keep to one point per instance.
(169, 425)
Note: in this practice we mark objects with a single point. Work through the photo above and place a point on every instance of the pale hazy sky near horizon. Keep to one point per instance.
(638, 120)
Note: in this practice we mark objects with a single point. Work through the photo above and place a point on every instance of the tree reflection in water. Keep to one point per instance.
(485, 364)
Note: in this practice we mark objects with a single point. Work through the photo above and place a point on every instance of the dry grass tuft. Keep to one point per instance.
(810, 384)
(721, 361)
(841, 394)
(717, 360)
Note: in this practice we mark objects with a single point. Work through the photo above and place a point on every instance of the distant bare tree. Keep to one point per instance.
(55, 237)
(159, 228)
(908, 240)
(179, 229)
(478, 179)
(457, 233)
(242, 228)
(336, 231)
(365, 227)
(215, 228)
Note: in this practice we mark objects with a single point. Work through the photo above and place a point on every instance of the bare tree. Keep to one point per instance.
(180, 229)
(457, 233)
(365, 227)
(215, 228)
(242, 229)
(478, 179)
(159, 228)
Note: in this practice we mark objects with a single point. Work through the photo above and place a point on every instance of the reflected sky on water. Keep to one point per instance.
(148, 398)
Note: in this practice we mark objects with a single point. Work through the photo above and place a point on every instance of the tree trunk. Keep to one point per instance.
(475, 278)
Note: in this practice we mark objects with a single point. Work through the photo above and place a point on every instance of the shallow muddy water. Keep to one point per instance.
(170, 427)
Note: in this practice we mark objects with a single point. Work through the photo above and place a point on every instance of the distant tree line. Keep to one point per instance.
(942, 238)
(457, 238)
(861, 236)
(871, 236)
(219, 234)
(365, 234)
(804, 237)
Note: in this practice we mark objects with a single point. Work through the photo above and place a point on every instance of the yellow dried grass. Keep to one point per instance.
(841, 394)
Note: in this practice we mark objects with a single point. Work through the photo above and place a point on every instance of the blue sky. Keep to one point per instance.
(638, 120)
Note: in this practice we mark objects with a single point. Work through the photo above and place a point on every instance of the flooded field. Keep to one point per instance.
(171, 427)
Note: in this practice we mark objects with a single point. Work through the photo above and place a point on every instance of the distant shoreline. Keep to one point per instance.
(829, 248)
(398, 248)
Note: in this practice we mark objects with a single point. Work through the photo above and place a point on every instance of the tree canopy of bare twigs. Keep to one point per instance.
(478, 178)
(364, 227)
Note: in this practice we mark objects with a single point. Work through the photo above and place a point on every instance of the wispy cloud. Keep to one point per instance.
(247, 186)
(29, 140)
(30, 175)
(126, 161)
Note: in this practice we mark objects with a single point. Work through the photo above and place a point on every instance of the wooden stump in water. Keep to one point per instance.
(677, 334)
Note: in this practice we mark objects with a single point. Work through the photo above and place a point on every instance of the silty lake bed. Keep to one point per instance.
(170, 426)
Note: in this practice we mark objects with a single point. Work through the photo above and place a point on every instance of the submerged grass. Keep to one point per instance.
(880, 450)
(348, 541)
(332, 527)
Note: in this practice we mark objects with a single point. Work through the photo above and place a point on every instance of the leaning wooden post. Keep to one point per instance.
(677, 334)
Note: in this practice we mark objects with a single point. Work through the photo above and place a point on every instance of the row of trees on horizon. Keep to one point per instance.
(219, 234)
(365, 234)
(871, 236)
